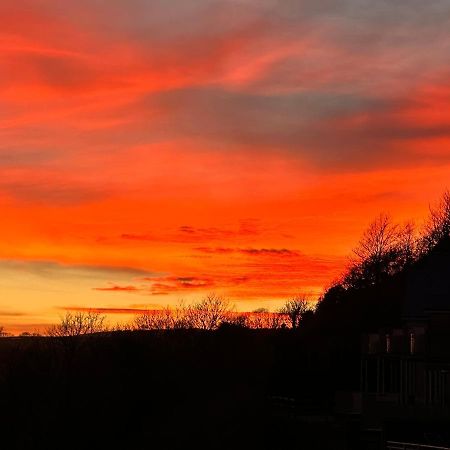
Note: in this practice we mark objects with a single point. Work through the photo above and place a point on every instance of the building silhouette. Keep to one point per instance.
(405, 371)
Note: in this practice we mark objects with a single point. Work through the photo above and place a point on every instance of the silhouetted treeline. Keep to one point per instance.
(210, 313)
(371, 292)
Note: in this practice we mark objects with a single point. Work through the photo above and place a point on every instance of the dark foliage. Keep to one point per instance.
(372, 292)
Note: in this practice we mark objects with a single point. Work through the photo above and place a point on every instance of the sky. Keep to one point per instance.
(155, 150)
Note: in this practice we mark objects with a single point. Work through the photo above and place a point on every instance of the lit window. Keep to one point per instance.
(388, 343)
(412, 343)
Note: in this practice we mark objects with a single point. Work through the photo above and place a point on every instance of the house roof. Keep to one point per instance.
(428, 284)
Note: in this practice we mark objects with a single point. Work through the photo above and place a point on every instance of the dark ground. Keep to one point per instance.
(232, 388)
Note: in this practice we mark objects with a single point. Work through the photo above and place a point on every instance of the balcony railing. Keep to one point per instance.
(393, 445)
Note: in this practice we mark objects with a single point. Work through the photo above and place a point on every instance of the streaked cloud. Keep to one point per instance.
(282, 252)
(166, 151)
(116, 288)
(53, 269)
(9, 313)
(109, 310)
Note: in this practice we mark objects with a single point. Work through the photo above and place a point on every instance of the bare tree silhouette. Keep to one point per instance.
(155, 320)
(383, 249)
(168, 318)
(294, 309)
(409, 245)
(262, 318)
(258, 318)
(209, 313)
(437, 226)
(78, 324)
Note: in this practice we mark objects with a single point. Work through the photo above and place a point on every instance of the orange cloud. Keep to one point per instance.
(249, 251)
(110, 310)
(200, 146)
(117, 289)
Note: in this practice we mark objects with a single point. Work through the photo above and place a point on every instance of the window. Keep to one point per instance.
(412, 343)
(388, 343)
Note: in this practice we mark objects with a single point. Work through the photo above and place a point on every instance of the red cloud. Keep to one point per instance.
(217, 250)
(249, 251)
(110, 310)
(117, 289)
(136, 237)
(175, 284)
(246, 228)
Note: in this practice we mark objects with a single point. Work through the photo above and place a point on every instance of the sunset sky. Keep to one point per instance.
(157, 150)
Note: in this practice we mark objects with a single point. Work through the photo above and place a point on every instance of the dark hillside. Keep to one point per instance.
(134, 390)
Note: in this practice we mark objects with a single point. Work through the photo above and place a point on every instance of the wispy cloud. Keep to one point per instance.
(107, 310)
(249, 251)
(191, 234)
(116, 288)
(137, 237)
(246, 228)
(171, 284)
(54, 269)
(8, 313)
(264, 273)
(153, 150)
